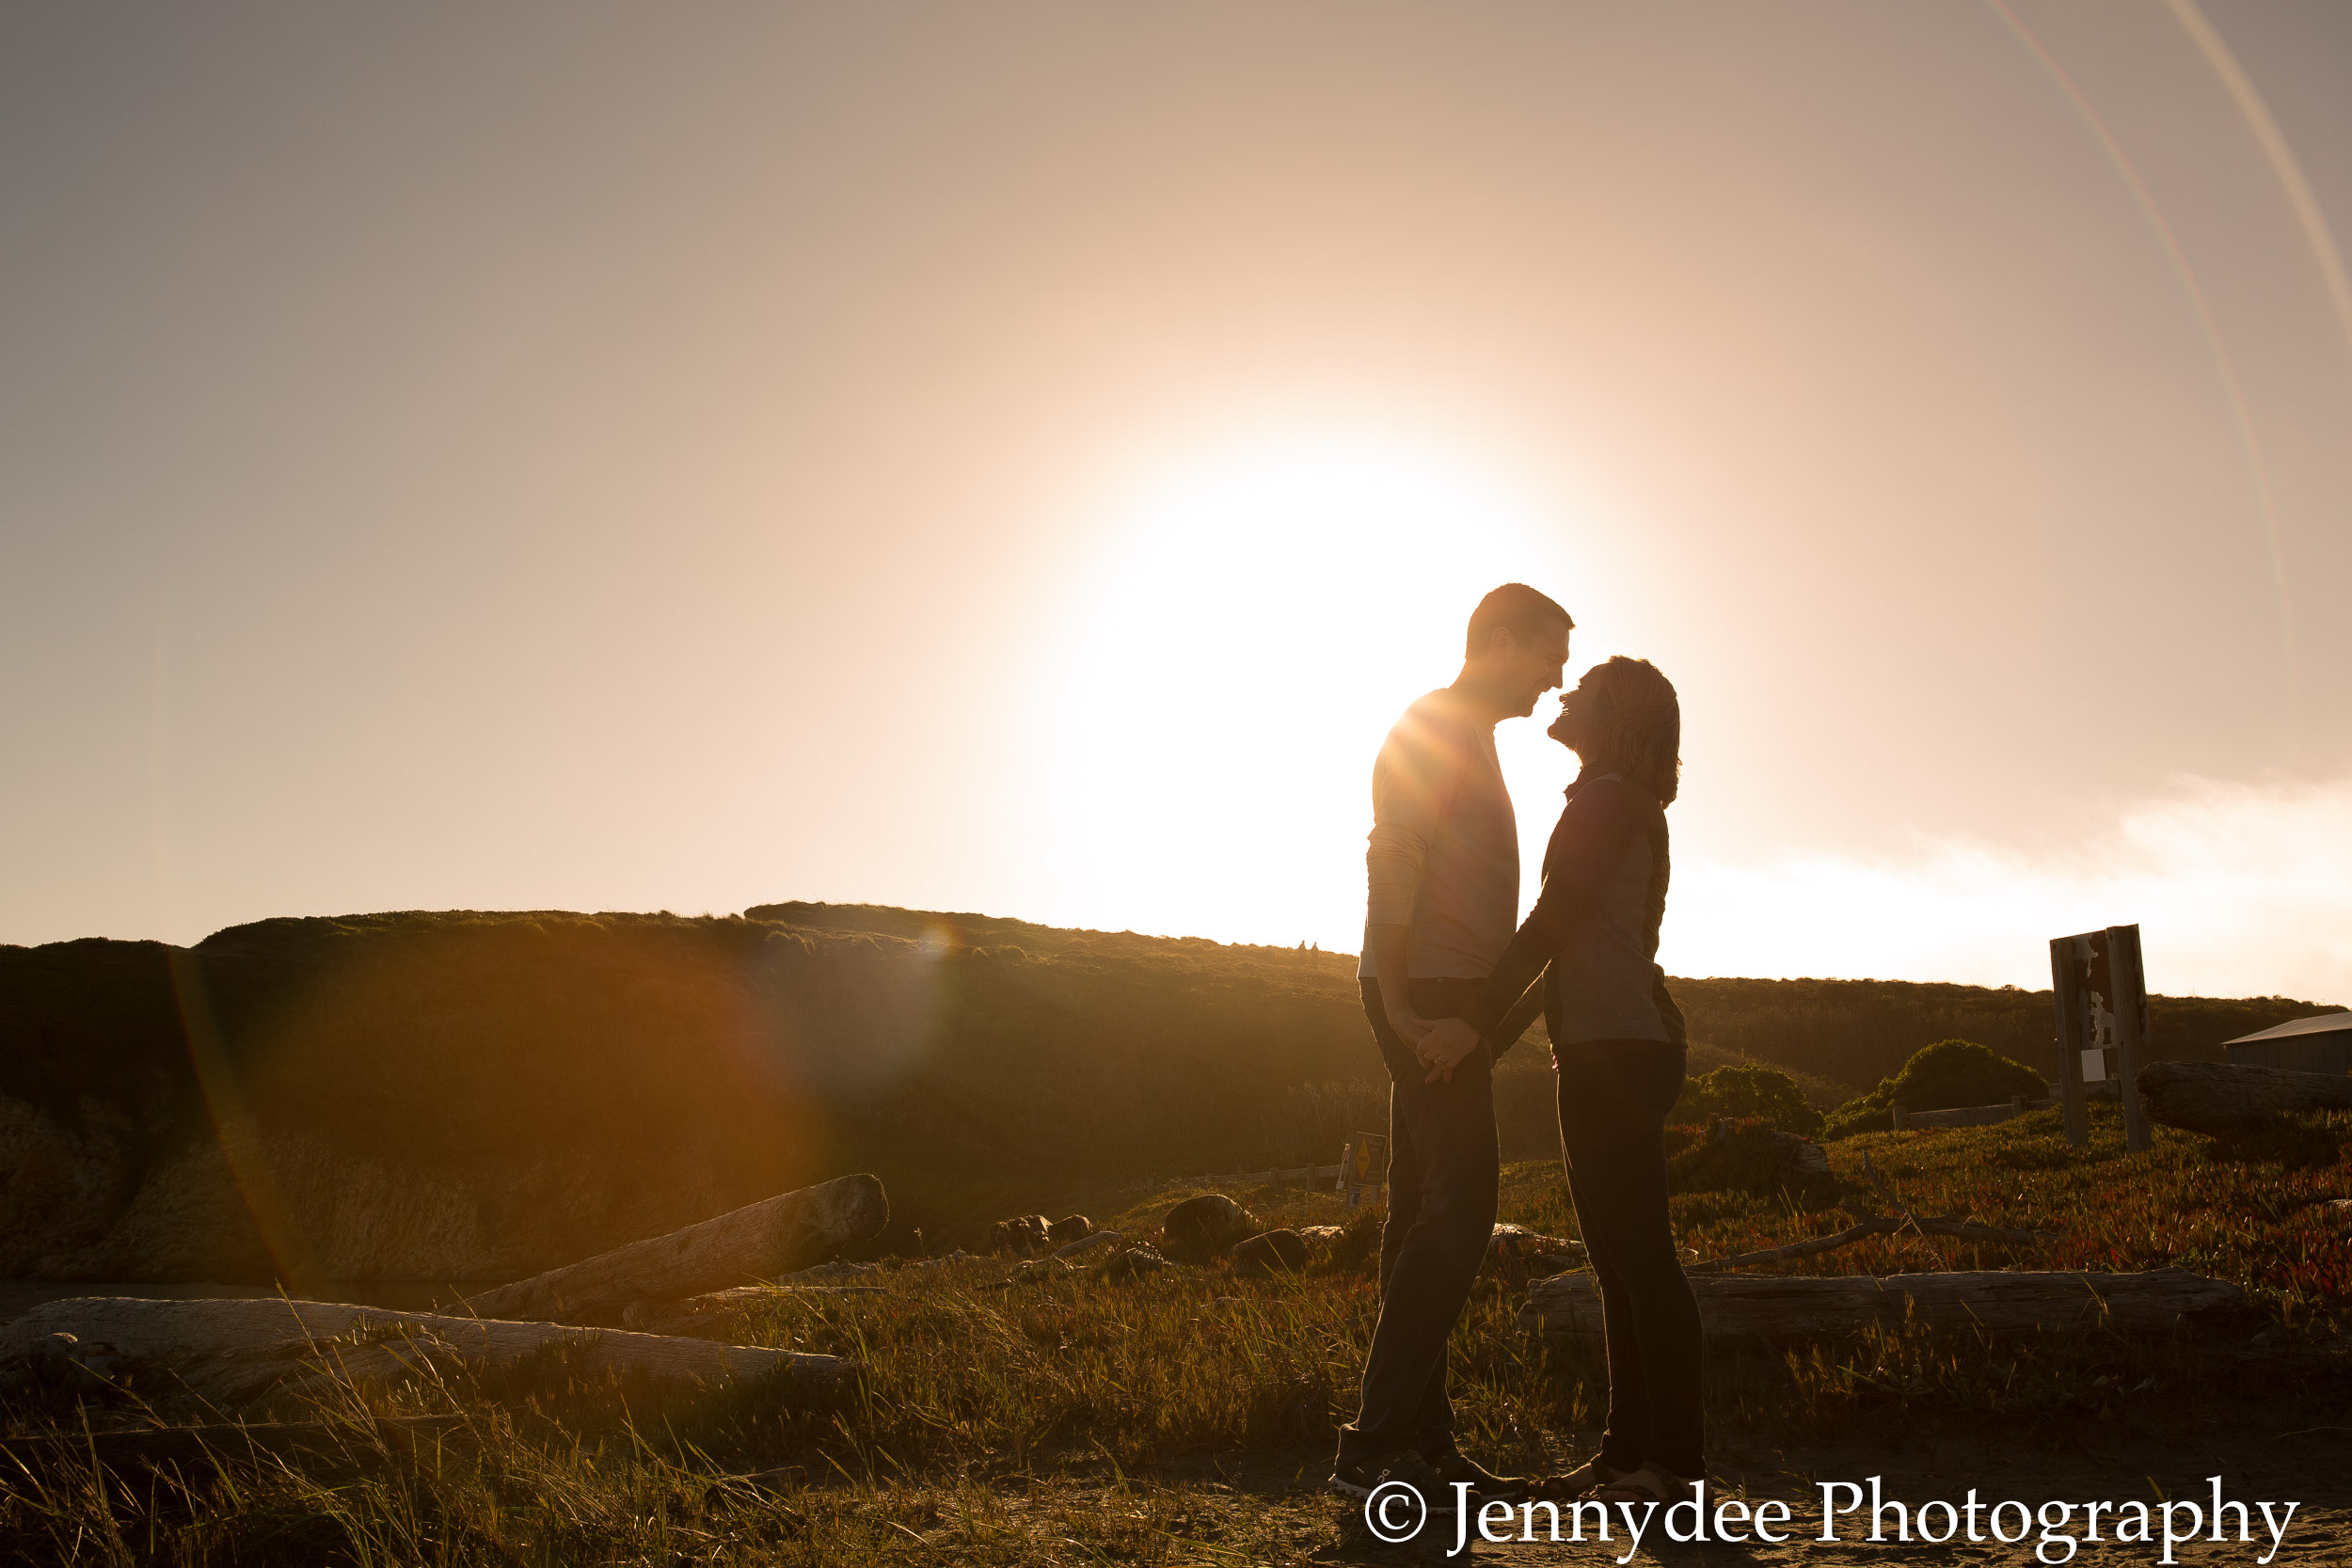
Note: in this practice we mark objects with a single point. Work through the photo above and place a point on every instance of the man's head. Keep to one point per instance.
(1516, 649)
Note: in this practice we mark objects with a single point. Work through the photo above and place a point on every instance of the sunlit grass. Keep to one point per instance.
(1187, 1416)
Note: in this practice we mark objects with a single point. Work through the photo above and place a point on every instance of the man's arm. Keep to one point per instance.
(1387, 942)
(1419, 769)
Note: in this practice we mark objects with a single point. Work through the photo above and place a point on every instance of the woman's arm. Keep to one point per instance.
(1503, 1036)
(1602, 821)
(1598, 825)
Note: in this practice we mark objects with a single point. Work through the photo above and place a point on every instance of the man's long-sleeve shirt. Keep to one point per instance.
(1444, 857)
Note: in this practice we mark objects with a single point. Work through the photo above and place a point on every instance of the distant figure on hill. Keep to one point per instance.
(1618, 1046)
(1443, 874)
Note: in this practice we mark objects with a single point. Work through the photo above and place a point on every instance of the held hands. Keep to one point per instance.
(1410, 1025)
(1448, 1042)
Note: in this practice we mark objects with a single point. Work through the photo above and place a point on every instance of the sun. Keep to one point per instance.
(1257, 619)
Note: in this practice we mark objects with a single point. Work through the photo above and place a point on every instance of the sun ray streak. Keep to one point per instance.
(2281, 155)
(234, 1126)
(2258, 467)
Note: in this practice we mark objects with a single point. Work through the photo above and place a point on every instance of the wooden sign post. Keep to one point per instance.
(2101, 994)
(1364, 1167)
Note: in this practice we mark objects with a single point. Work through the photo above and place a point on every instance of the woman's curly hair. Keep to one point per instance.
(1632, 724)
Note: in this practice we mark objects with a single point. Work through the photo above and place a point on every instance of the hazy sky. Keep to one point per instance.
(1020, 458)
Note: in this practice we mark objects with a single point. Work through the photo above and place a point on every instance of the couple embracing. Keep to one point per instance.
(1450, 981)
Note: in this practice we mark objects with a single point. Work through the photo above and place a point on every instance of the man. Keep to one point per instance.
(1443, 869)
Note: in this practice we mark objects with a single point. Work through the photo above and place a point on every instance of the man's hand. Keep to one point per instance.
(1444, 1048)
(1410, 1025)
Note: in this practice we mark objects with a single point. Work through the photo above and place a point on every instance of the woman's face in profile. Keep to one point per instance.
(1568, 728)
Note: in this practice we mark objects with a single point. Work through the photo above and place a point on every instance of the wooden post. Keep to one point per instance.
(2129, 1004)
(1363, 1166)
(2066, 996)
(1902, 1118)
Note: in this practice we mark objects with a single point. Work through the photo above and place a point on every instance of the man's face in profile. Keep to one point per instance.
(1535, 668)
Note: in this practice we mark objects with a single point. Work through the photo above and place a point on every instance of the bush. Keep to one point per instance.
(1748, 1156)
(1746, 1092)
(1945, 1076)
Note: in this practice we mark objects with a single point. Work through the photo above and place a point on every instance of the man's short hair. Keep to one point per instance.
(1517, 608)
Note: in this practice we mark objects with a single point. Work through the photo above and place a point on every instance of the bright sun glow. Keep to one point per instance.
(1259, 621)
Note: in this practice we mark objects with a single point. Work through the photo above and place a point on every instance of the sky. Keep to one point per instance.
(1020, 458)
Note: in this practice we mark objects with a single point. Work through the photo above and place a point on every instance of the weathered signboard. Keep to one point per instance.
(1364, 1168)
(2101, 994)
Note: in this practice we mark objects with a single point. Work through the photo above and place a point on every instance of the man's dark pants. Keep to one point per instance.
(1444, 1171)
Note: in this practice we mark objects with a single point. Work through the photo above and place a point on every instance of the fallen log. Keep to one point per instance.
(235, 1350)
(774, 1236)
(360, 1441)
(2222, 1097)
(717, 1315)
(1881, 1224)
(1874, 1225)
(1775, 1307)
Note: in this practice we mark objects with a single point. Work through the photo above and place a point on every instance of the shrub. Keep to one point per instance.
(1948, 1075)
(1746, 1092)
(1749, 1156)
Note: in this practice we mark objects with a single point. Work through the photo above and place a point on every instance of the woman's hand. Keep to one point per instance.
(1444, 1048)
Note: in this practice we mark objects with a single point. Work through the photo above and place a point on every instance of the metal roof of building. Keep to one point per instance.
(2325, 1023)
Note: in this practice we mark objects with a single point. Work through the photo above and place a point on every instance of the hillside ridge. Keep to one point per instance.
(475, 1095)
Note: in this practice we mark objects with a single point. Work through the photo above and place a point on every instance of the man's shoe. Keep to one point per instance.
(1455, 1466)
(1363, 1477)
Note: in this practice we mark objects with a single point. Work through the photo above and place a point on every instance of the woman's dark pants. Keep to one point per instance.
(1443, 1174)
(1613, 1099)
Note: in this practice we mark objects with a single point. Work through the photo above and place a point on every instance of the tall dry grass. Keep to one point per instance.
(1187, 1416)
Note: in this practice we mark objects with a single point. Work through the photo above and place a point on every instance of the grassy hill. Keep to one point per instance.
(1859, 1031)
(464, 1095)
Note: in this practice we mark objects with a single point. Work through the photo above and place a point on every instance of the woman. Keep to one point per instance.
(1617, 1045)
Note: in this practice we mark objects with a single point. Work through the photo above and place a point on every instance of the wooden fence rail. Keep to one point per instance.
(1985, 1115)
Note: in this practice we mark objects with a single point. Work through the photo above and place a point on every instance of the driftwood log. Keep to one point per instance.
(234, 1350)
(1879, 1224)
(720, 1314)
(1868, 1225)
(1777, 1306)
(2220, 1097)
(360, 1442)
(774, 1236)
